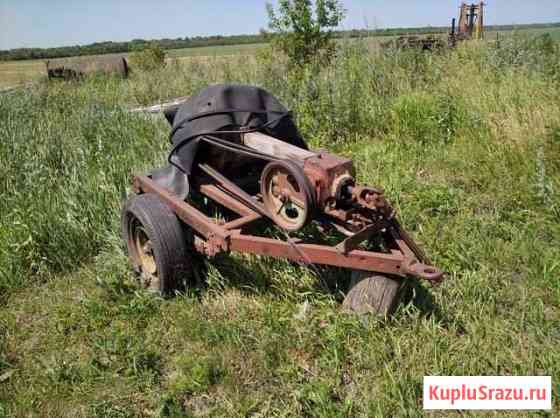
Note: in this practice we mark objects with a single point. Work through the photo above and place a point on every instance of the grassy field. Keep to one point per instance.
(19, 72)
(14, 73)
(466, 144)
(213, 51)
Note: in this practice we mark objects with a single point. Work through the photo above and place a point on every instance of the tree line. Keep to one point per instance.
(99, 48)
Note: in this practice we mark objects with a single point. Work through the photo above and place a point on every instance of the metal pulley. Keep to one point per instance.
(287, 195)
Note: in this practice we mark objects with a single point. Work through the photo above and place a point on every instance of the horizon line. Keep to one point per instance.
(552, 23)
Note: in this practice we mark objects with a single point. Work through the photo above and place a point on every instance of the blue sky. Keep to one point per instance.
(40, 23)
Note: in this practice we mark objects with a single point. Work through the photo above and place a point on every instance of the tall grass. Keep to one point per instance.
(465, 142)
(69, 149)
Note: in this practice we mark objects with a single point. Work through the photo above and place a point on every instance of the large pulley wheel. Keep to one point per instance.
(287, 195)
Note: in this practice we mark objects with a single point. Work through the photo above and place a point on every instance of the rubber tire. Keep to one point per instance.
(170, 240)
(372, 294)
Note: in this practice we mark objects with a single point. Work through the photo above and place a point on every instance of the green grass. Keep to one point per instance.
(14, 73)
(19, 72)
(466, 144)
(554, 32)
(211, 51)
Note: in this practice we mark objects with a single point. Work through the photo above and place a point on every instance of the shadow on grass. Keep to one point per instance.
(275, 277)
(256, 278)
(424, 302)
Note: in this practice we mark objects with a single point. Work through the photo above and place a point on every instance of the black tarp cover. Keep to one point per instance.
(216, 108)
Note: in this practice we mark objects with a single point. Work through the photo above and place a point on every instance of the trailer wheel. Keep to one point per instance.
(370, 293)
(157, 243)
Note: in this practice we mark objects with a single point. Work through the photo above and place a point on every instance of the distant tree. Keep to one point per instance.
(304, 28)
(149, 58)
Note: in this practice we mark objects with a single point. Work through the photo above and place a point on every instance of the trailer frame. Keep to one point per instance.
(213, 237)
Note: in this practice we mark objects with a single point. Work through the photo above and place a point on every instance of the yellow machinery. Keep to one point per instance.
(471, 20)
(471, 23)
(471, 26)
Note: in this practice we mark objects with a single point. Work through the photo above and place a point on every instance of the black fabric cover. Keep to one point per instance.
(221, 107)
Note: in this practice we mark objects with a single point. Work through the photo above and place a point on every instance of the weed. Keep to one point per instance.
(148, 59)
(109, 409)
(172, 408)
(319, 400)
(195, 374)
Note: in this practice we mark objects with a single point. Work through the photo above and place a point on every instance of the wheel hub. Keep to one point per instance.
(146, 257)
(285, 196)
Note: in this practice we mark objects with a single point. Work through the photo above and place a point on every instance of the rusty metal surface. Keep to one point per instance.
(406, 243)
(231, 187)
(471, 20)
(318, 254)
(222, 238)
(323, 186)
(355, 240)
(242, 222)
(323, 171)
(470, 24)
(287, 195)
(414, 268)
(187, 213)
(217, 194)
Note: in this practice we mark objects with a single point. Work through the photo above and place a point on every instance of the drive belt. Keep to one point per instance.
(238, 148)
(241, 194)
